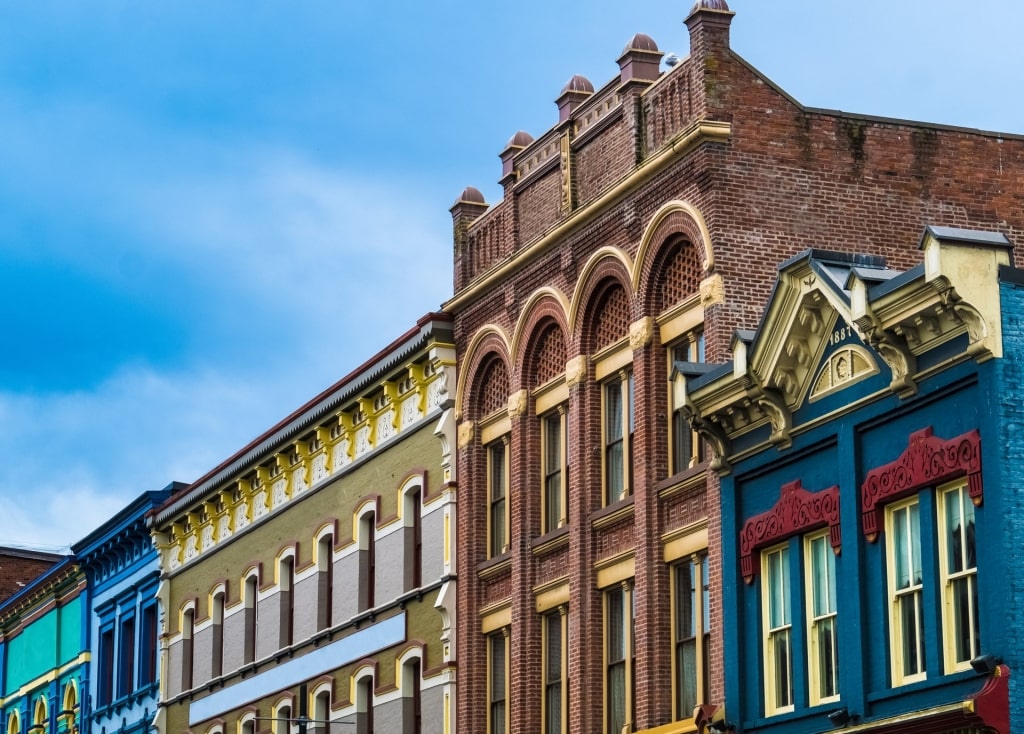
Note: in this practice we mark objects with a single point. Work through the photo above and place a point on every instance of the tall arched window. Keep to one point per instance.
(364, 705)
(412, 711)
(13, 723)
(249, 598)
(40, 719)
(217, 637)
(325, 581)
(188, 621)
(321, 711)
(367, 559)
(286, 599)
(413, 538)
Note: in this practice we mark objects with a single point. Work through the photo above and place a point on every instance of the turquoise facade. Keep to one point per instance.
(43, 654)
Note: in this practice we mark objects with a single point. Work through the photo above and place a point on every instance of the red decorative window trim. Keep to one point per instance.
(796, 511)
(927, 461)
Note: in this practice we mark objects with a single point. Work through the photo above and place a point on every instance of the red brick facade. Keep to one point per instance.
(655, 198)
(18, 567)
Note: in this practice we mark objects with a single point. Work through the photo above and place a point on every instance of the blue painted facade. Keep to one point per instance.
(872, 413)
(122, 619)
(43, 654)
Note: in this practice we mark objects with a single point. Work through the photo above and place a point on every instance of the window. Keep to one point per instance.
(282, 723)
(188, 618)
(148, 650)
(497, 689)
(497, 489)
(554, 459)
(321, 712)
(106, 680)
(217, 635)
(619, 658)
(556, 687)
(250, 595)
(412, 707)
(687, 448)
(778, 643)
(618, 437)
(959, 569)
(286, 600)
(691, 636)
(40, 719)
(367, 559)
(413, 538)
(325, 581)
(364, 705)
(822, 644)
(906, 618)
(126, 658)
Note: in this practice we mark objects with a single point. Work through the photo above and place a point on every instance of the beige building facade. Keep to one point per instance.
(308, 579)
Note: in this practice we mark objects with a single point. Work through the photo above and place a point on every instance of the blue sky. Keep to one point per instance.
(212, 211)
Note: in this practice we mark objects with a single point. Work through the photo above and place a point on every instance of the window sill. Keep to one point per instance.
(922, 685)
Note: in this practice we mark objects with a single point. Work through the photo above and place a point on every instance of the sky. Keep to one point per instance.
(210, 212)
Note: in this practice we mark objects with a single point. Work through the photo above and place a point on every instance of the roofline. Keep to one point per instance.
(133, 511)
(31, 554)
(428, 328)
(67, 563)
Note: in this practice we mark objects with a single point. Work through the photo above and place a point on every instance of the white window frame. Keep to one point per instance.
(773, 634)
(818, 618)
(946, 495)
(624, 380)
(697, 566)
(493, 550)
(551, 520)
(690, 348)
(499, 637)
(912, 592)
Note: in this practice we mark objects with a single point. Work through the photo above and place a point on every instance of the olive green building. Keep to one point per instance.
(308, 580)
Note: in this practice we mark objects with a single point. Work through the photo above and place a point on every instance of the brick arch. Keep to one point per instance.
(674, 219)
(545, 353)
(605, 271)
(489, 343)
(675, 275)
(608, 315)
(544, 311)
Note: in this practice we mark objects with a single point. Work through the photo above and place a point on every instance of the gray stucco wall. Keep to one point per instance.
(234, 641)
(346, 583)
(268, 626)
(433, 546)
(203, 656)
(388, 577)
(306, 603)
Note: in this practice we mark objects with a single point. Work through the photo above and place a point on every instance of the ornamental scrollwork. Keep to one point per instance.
(796, 511)
(925, 462)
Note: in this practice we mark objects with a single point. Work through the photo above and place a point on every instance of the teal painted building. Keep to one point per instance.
(43, 654)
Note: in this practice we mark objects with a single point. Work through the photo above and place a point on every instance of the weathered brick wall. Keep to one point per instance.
(17, 569)
(788, 178)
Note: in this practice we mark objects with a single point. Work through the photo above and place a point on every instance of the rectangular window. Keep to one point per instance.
(822, 645)
(148, 651)
(959, 569)
(778, 646)
(906, 618)
(618, 655)
(687, 448)
(106, 681)
(553, 437)
(126, 658)
(497, 690)
(497, 479)
(691, 635)
(555, 684)
(619, 423)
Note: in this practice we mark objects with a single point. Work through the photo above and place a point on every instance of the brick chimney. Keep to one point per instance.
(709, 23)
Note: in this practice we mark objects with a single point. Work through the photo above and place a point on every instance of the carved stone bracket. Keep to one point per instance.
(774, 406)
(797, 511)
(926, 461)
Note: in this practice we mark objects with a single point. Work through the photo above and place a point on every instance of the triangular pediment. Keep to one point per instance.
(806, 345)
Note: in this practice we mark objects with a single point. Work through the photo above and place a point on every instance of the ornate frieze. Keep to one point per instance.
(304, 462)
(796, 511)
(925, 462)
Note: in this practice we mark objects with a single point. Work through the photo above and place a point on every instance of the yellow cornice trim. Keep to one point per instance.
(45, 678)
(701, 131)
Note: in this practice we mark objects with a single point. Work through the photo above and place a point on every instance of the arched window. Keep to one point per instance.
(367, 559)
(13, 723)
(282, 723)
(70, 706)
(325, 581)
(217, 633)
(412, 711)
(364, 705)
(188, 623)
(412, 504)
(40, 717)
(321, 711)
(249, 598)
(286, 600)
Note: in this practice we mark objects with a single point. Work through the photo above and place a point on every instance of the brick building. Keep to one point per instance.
(868, 491)
(642, 229)
(306, 578)
(18, 566)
